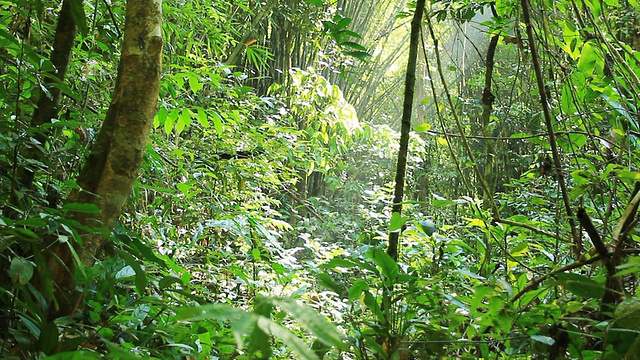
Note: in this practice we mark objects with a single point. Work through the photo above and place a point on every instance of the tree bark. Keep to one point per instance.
(47, 107)
(409, 89)
(112, 167)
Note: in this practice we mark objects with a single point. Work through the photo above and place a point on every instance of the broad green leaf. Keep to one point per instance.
(80, 355)
(20, 271)
(327, 281)
(316, 2)
(311, 321)
(202, 118)
(209, 312)
(184, 121)
(360, 55)
(627, 313)
(424, 127)
(259, 338)
(543, 339)
(167, 281)
(628, 175)
(79, 17)
(358, 287)
(48, 340)
(81, 208)
(194, 83)
(294, 343)
(388, 266)
(160, 118)
(588, 59)
(141, 275)
(117, 352)
(354, 46)
(343, 23)
(397, 221)
(217, 122)
(46, 281)
(580, 285)
(371, 303)
(578, 140)
(470, 274)
(30, 325)
(344, 263)
(168, 124)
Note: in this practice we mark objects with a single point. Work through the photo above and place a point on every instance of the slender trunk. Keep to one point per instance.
(47, 107)
(409, 88)
(577, 241)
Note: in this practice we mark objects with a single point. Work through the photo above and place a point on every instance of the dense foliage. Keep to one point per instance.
(259, 222)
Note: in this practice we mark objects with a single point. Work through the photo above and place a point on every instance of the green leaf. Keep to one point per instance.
(313, 322)
(578, 140)
(194, 83)
(217, 122)
(360, 55)
(397, 221)
(327, 281)
(358, 287)
(78, 355)
(167, 281)
(184, 121)
(20, 271)
(81, 208)
(202, 118)
(543, 339)
(580, 285)
(118, 352)
(371, 303)
(209, 312)
(424, 127)
(627, 313)
(354, 46)
(343, 23)
(168, 123)
(388, 266)
(588, 59)
(48, 339)
(79, 17)
(46, 280)
(294, 343)
(141, 276)
(316, 2)
(259, 338)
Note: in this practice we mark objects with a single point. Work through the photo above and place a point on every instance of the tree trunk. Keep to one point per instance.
(47, 107)
(409, 89)
(110, 171)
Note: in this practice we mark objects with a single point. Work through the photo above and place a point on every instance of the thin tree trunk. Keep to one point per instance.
(47, 107)
(409, 88)
(110, 171)
(577, 241)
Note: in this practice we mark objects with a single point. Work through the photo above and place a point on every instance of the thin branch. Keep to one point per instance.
(535, 282)
(526, 12)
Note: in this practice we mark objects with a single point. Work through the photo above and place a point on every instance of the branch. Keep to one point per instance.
(529, 227)
(549, 124)
(535, 282)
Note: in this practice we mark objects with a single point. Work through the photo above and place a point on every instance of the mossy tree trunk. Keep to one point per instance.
(112, 167)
